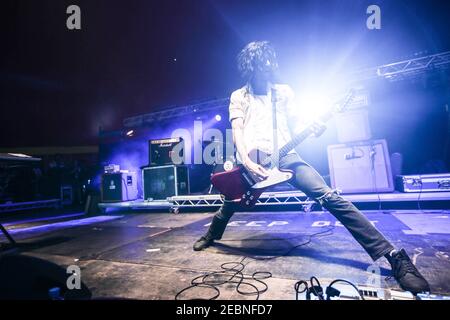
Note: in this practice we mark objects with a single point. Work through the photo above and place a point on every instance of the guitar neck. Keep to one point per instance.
(298, 139)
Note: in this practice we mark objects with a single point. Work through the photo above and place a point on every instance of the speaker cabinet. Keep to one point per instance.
(353, 126)
(120, 186)
(161, 151)
(165, 181)
(361, 167)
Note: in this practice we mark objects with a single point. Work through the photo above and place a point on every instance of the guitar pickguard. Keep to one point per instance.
(276, 176)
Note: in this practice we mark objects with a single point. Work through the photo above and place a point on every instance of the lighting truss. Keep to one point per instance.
(407, 68)
(415, 66)
(299, 198)
(266, 199)
(151, 118)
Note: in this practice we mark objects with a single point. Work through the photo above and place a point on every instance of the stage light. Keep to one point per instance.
(130, 133)
(218, 117)
(313, 104)
(21, 155)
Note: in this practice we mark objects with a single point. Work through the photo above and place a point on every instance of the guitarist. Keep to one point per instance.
(251, 120)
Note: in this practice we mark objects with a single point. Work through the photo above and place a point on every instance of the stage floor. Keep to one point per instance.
(150, 256)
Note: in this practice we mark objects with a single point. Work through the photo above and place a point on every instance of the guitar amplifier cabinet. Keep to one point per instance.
(362, 167)
(423, 183)
(120, 186)
(353, 126)
(161, 151)
(165, 181)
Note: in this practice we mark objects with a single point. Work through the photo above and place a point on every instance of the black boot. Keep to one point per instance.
(215, 232)
(406, 274)
(203, 243)
(216, 229)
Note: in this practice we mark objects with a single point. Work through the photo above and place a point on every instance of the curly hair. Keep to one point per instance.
(257, 55)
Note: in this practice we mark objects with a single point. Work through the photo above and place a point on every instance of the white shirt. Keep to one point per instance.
(256, 112)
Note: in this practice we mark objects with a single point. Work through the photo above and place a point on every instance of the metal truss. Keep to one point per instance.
(151, 118)
(415, 66)
(196, 201)
(404, 69)
(212, 200)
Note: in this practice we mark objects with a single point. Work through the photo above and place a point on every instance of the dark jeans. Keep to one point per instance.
(311, 183)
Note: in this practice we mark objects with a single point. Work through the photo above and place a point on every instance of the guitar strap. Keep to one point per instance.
(275, 153)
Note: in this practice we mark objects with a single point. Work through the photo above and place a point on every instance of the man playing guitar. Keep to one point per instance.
(251, 120)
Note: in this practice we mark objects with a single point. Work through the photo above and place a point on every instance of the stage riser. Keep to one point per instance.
(286, 199)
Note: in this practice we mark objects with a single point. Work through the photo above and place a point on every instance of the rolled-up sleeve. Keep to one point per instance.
(236, 108)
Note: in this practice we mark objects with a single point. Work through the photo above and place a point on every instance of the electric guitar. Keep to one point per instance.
(240, 185)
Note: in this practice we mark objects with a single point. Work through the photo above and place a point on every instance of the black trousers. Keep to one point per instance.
(308, 180)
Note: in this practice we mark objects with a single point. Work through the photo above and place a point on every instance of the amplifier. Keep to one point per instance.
(161, 151)
(111, 168)
(165, 181)
(120, 186)
(423, 183)
(361, 167)
(353, 126)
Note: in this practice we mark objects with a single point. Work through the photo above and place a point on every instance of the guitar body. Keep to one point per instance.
(239, 184)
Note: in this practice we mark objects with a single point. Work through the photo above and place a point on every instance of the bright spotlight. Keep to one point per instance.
(312, 105)
(130, 133)
(218, 117)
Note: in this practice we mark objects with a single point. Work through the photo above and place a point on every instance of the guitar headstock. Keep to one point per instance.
(341, 107)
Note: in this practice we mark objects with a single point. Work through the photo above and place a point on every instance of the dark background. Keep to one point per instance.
(59, 86)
